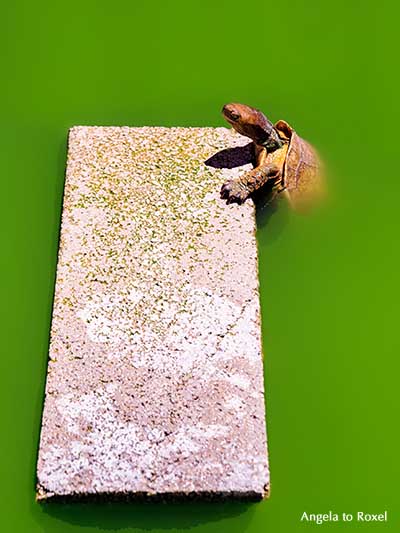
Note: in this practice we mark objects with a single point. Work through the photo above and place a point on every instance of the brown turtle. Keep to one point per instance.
(285, 163)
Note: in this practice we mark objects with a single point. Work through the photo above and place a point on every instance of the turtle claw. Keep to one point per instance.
(233, 192)
(224, 194)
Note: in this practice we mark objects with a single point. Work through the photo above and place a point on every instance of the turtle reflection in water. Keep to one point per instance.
(285, 163)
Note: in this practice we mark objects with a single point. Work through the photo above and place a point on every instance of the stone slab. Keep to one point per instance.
(155, 375)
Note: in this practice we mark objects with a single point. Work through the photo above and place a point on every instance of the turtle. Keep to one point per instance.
(286, 164)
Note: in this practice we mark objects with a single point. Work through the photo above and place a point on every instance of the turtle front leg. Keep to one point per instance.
(260, 153)
(237, 190)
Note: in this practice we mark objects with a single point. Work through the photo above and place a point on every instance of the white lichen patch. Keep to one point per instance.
(104, 321)
(236, 404)
(109, 446)
(155, 380)
(239, 381)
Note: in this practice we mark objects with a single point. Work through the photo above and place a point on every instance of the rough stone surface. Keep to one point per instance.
(155, 377)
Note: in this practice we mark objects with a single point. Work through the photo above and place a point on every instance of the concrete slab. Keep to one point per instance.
(155, 377)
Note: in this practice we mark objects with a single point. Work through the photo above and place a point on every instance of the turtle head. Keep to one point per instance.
(248, 121)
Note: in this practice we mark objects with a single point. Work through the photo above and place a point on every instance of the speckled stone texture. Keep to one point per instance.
(155, 376)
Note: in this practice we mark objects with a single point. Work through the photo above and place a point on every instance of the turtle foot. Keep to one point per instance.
(234, 192)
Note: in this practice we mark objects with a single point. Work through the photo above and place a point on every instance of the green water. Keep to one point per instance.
(329, 283)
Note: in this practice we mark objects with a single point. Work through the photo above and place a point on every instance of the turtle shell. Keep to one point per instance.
(302, 172)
